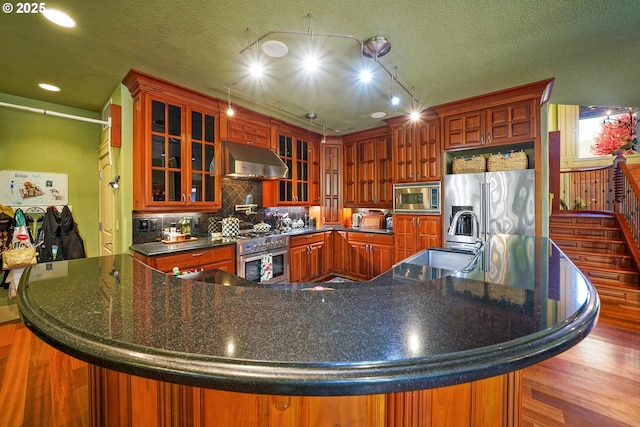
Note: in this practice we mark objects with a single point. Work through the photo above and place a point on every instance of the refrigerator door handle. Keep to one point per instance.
(488, 210)
(483, 211)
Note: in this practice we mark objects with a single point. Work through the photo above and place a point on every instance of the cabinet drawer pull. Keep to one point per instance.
(198, 254)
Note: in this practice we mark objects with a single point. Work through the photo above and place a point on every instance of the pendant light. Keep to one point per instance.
(230, 111)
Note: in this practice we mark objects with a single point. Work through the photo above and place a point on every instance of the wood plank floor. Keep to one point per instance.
(596, 383)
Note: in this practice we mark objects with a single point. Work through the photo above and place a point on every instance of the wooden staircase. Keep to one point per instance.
(601, 246)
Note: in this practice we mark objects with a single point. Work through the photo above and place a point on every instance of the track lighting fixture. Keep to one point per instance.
(373, 47)
(394, 99)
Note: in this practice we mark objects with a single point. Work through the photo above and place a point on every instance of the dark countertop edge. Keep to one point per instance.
(159, 248)
(314, 379)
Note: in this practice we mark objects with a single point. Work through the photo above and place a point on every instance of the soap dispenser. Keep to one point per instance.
(185, 225)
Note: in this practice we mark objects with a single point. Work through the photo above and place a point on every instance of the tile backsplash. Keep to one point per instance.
(147, 227)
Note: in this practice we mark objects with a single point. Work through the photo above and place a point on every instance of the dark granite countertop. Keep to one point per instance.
(159, 248)
(409, 328)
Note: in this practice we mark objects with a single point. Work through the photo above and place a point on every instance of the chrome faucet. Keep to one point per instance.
(454, 224)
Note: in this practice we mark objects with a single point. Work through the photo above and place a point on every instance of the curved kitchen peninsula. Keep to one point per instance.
(415, 345)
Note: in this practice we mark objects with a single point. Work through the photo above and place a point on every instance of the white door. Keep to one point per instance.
(106, 196)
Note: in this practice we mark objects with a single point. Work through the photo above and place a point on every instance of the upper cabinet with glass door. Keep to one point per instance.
(298, 149)
(176, 147)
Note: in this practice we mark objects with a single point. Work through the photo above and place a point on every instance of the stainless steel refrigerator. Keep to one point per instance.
(504, 203)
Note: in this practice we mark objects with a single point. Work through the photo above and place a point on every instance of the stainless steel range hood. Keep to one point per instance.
(251, 162)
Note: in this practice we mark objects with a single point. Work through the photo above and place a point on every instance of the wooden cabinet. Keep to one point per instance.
(513, 123)
(314, 174)
(176, 147)
(329, 239)
(307, 257)
(414, 233)
(247, 127)
(464, 130)
(370, 254)
(340, 253)
(350, 174)
(416, 149)
(331, 184)
(121, 400)
(509, 123)
(298, 149)
(368, 169)
(221, 257)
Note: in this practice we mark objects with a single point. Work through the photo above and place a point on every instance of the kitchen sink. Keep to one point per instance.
(443, 258)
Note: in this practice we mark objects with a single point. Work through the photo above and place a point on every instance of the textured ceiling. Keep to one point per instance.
(443, 50)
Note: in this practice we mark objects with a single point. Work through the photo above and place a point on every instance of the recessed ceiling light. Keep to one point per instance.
(274, 48)
(49, 87)
(59, 18)
(378, 115)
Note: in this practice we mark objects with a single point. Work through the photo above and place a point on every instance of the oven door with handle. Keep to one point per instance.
(250, 267)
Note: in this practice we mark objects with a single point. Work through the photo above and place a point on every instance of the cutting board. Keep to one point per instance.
(373, 221)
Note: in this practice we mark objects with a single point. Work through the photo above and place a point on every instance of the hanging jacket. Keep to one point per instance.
(49, 235)
(6, 232)
(72, 243)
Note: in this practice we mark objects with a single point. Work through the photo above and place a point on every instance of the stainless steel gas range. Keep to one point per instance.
(263, 258)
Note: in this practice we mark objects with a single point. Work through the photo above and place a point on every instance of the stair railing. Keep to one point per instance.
(587, 189)
(610, 188)
(627, 197)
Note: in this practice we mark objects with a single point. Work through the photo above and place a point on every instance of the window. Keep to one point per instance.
(590, 125)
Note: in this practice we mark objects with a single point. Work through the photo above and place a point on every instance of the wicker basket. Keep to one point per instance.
(473, 164)
(507, 162)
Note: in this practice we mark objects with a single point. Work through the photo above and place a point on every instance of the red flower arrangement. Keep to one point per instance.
(616, 134)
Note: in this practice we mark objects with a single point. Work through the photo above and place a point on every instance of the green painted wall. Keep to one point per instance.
(43, 143)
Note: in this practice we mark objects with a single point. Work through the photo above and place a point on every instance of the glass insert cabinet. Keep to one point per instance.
(176, 149)
(294, 152)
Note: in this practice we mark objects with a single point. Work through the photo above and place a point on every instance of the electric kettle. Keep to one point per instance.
(356, 220)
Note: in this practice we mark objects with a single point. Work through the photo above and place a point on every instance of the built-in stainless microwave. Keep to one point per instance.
(422, 198)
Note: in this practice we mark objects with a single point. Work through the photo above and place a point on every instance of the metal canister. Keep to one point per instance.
(230, 227)
(215, 225)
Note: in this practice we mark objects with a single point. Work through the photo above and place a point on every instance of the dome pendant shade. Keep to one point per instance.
(376, 47)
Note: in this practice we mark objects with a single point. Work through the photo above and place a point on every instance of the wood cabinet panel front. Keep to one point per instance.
(369, 254)
(223, 257)
(368, 169)
(414, 233)
(248, 132)
(119, 400)
(416, 149)
(512, 123)
(307, 257)
(340, 252)
(509, 123)
(464, 130)
(331, 183)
